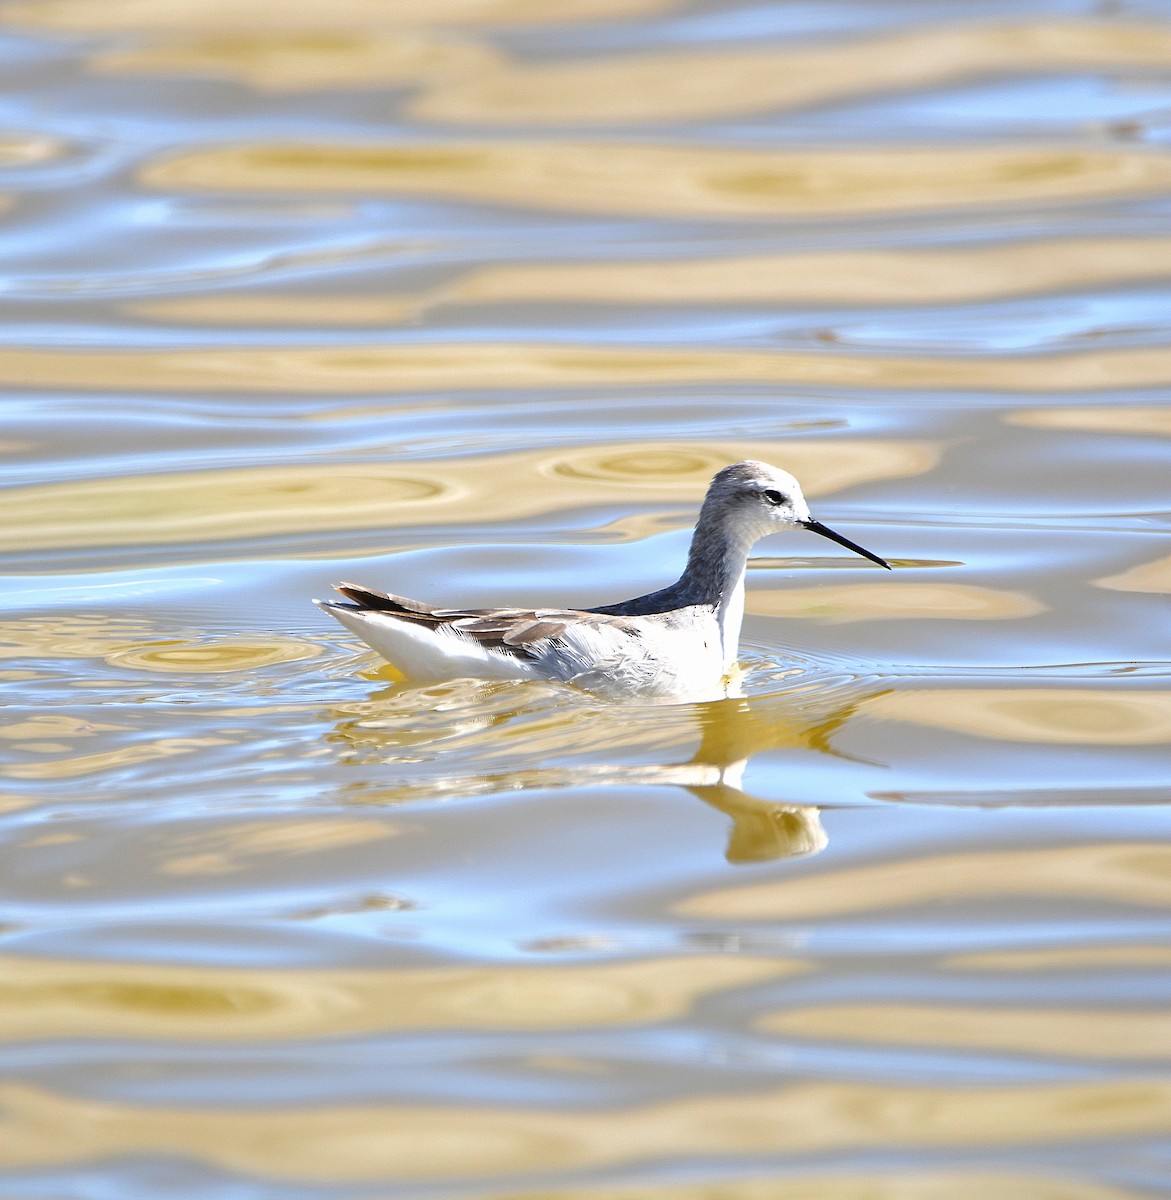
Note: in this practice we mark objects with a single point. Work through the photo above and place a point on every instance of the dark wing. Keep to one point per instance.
(383, 601)
(512, 630)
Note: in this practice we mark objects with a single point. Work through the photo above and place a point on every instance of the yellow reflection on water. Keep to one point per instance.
(1125, 873)
(266, 308)
(42, 725)
(468, 84)
(916, 275)
(239, 846)
(20, 151)
(72, 635)
(430, 367)
(235, 503)
(1116, 418)
(49, 998)
(1063, 958)
(126, 642)
(837, 603)
(215, 658)
(1146, 577)
(60, 745)
(395, 1142)
(306, 60)
(73, 766)
(700, 84)
(128, 16)
(1067, 716)
(611, 178)
(1143, 1034)
(764, 831)
(486, 737)
(898, 1185)
(735, 730)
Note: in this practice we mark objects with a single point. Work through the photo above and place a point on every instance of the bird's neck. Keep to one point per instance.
(715, 575)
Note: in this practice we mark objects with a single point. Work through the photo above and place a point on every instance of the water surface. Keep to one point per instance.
(469, 300)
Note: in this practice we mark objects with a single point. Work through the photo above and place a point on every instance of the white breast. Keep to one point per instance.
(730, 616)
(680, 658)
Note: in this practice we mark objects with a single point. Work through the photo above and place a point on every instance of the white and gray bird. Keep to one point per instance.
(678, 642)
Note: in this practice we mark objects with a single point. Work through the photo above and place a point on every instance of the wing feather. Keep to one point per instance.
(383, 601)
(517, 631)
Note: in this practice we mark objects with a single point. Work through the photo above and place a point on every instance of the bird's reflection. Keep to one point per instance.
(473, 738)
(734, 730)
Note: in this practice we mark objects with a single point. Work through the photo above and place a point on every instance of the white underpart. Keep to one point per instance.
(678, 663)
(430, 655)
(730, 616)
(730, 613)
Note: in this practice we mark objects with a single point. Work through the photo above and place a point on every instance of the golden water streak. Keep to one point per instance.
(107, 760)
(833, 1185)
(1146, 577)
(430, 367)
(307, 61)
(63, 635)
(140, 645)
(396, 1142)
(41, 725)
(1061, 716)
(145, 16)
(1121, 873)
(195, 506)
(25, 151)
(672, 85)
(177, 657)
(667, 85)
(1117, 418)
(1065, 958)
(1094, 1033)
(610, 179)
(905, 276)
(891, 601)
(271, 308)
(48, 998)
(240, 845)
(855, 277)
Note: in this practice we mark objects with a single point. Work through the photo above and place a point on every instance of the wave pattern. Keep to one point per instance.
(469, 298)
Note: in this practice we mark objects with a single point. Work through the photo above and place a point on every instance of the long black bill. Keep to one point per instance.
(825, 531)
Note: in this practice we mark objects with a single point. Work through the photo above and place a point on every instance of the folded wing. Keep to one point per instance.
(515, 631)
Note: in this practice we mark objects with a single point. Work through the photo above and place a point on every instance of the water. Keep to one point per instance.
(469, 300)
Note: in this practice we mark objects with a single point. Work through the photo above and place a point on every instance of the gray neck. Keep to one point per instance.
(714, 576)
(715, 562)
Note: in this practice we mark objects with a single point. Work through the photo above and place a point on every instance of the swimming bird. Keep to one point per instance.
(678, 642)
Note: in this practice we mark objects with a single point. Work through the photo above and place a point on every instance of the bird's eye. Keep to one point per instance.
(773, 496)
